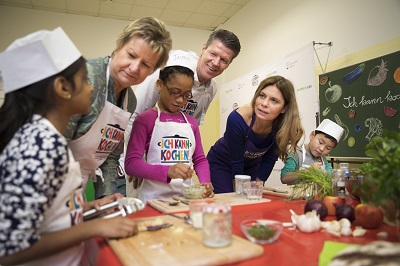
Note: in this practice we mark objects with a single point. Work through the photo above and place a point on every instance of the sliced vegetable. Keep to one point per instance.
(351, 141)
(389, 111)
(323, 80)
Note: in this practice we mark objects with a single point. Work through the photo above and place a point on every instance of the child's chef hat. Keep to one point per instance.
(37, 56)
(331, 128)
(183, 58)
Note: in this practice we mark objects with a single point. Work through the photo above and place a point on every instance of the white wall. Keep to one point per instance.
(268, 30)
(93, 36)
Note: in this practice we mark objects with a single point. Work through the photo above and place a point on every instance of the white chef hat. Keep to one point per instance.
(331, 128)
(183, 58)
(37, 56)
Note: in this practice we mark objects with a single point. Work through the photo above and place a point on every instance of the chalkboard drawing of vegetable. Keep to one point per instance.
(375, 127)
(354, 74)
(340, 123)
(333, 93)
(389, 111)
(377, 75)
(326, 111)
(396, 75)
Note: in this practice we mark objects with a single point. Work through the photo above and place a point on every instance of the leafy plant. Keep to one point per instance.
(382, 173)
(312, 182)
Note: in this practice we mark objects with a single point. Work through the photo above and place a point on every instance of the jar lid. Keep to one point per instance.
(243, 177)
(216, 208)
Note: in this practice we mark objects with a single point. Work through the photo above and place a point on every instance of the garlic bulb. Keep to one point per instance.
(306, 223)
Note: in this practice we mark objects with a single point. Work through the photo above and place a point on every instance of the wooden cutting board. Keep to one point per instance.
(179, 245)
(283, 192)
(224, 198)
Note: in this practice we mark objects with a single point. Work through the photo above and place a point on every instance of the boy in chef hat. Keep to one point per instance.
(168, 138)
(325, 138)
(44, 78)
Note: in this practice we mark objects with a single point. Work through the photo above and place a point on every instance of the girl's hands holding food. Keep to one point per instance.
(180, 170)
(208, 190)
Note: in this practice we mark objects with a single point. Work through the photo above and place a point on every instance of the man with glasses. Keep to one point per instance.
(216, 55)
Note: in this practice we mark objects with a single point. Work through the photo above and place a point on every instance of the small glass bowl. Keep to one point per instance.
(268, 230)
(193, 192)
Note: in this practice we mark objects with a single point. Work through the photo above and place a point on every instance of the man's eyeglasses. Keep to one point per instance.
(176, 93)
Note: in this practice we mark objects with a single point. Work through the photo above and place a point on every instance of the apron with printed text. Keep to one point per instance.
(65, 212)
(170, 143)
(93, 148)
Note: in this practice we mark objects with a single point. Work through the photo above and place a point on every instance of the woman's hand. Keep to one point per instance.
(180, 170)
(208, 190)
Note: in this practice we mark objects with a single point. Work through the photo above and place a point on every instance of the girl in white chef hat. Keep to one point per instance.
(44, 78)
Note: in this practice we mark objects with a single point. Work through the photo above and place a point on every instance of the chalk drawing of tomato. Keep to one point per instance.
(351, 113)
(333, 93)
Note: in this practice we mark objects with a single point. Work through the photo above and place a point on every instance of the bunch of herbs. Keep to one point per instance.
(312, 183)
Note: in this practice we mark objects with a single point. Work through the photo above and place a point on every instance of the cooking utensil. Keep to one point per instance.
(151, 228)
(277, 190)
(121, 207)
(186, 218)
(170, 203)
(175, 197)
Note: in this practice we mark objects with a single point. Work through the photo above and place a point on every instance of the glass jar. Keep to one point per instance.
(217, 225)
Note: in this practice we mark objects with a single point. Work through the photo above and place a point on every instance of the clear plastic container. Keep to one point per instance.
(217, 225)
(241, 183)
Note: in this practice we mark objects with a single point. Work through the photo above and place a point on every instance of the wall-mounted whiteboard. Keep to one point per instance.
(299, 68)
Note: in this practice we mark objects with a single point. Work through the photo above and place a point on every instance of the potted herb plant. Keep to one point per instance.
(381, 184)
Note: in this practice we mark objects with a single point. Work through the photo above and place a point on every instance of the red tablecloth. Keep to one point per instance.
(292, 248)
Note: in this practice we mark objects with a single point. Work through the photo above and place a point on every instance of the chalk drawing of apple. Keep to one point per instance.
(333, 93)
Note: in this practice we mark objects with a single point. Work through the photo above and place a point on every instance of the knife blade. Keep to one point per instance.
(151, 228)
(277, 190)
(175, 197)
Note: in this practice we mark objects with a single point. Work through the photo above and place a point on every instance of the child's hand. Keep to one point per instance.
(208, 190)
(180, 170)
(100, 202)
(118, 227)
(317, 165)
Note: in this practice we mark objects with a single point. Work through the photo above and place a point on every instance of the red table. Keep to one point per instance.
(292, 248)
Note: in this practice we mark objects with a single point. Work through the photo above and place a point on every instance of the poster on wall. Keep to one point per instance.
(364, 99)
(299, 68)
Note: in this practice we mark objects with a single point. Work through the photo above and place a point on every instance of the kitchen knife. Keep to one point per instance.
(151, 228)
(175, 197)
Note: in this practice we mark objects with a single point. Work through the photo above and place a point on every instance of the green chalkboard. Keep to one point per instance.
(364, 99)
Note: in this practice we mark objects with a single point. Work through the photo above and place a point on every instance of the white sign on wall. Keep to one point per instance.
(299, 68)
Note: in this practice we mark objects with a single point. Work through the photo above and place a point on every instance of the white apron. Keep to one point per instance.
(171, 143)
(65, 212)
(304, 166)
(93, 148)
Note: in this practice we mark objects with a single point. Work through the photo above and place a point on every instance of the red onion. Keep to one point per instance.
(345, 211)
(318, 206)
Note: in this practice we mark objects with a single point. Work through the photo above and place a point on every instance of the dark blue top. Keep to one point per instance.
(241, 151)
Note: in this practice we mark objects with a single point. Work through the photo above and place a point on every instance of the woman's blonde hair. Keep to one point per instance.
(153, 32)
(288, 125)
